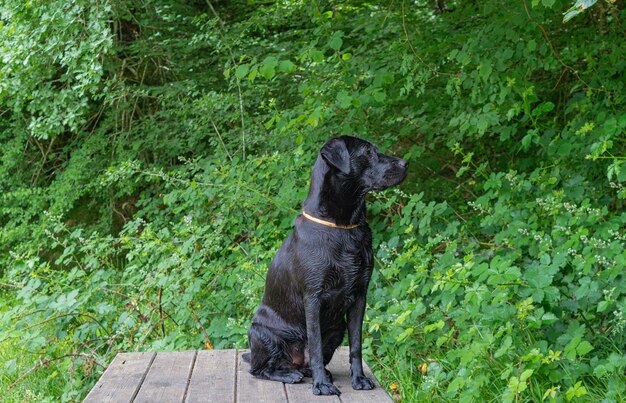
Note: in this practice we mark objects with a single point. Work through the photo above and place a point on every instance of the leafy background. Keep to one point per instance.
(155, 153)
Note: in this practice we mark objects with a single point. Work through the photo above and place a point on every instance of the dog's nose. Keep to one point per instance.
(403, 163)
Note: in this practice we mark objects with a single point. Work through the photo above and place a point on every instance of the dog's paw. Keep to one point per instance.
(293, 377)
(323, 388)
(362, 383)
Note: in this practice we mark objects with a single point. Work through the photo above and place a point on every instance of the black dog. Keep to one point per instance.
(317, 282)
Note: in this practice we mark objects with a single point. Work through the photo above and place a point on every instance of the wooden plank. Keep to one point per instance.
(302, 393)
(167, 378)
(214, 377)
(340, 368)
(122, 379)
(251, 389)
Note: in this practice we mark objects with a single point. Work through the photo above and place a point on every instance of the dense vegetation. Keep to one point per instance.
(155, 154)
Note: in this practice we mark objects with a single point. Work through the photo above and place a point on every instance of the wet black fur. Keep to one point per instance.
(317, 283)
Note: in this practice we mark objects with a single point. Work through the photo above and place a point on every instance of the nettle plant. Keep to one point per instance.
(538, 308)
(167, 280)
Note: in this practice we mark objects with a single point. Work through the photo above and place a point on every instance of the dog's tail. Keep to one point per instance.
(246, 357)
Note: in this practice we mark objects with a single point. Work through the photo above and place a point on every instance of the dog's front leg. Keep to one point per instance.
(321, 383)
(355, 326)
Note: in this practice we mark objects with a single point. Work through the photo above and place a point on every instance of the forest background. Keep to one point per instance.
(154, 155)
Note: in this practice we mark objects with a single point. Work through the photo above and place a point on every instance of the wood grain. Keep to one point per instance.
(251, 389)
(214, 377)
(122, 379)
(167, 378)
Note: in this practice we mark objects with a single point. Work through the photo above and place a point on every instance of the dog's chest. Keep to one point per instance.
(345, 278)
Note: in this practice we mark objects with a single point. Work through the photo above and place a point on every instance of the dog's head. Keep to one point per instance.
(360, 161)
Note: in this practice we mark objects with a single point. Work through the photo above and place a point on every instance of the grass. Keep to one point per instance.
(44, 384)
(405, 381)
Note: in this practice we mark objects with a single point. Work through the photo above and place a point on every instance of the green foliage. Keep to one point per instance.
(154, 155)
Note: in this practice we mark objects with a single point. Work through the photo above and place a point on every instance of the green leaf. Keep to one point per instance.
(482, 125)
(252, 75)
(400, 319)
(504, 348)
(549, 317)
(268, 67)
(11, 367)
(485, 71)
(242, 70)
(379, 96)
(583, 348)
(543, 108)
(316, 56)
(527, 140)
(526, 374)
(434, 326)
(602, 306)
(575, 391)
(286, 66)
(344, 99)
(404, 335)
(336, 41)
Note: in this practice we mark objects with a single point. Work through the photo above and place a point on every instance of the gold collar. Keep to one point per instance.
(327, 223)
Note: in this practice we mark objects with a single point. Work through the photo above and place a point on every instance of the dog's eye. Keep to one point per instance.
(370, 152)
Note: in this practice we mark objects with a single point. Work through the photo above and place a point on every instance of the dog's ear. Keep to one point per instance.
(336, 153)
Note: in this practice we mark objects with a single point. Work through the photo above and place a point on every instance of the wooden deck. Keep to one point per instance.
(215, 376)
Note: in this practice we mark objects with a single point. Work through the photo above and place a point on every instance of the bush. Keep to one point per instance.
(155, 156)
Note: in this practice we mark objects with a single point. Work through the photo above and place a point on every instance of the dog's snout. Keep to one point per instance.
(403, 163)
